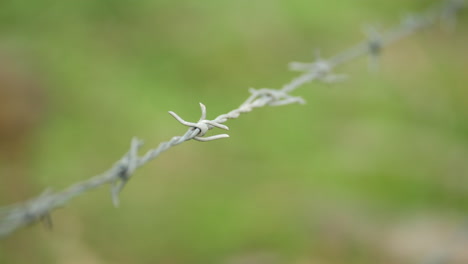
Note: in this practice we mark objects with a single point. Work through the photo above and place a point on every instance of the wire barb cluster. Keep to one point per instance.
(375, 46)
(321, 69)
(274, 97)
(127, 165)
(16, 216)
(202, 126)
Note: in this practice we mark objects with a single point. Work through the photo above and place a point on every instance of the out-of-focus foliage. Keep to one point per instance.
(371, 170)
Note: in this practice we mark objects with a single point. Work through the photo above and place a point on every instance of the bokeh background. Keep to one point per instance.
(371, 170)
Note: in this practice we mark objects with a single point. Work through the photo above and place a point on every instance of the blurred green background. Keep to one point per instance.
(371, 170)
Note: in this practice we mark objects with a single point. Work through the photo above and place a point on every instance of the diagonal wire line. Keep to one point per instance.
(19, 215)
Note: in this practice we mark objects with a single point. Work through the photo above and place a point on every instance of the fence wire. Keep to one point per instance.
(19, 215)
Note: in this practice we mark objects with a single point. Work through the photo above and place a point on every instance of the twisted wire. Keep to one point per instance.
(16, 216)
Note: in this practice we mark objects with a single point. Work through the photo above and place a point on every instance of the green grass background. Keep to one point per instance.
(361, 155)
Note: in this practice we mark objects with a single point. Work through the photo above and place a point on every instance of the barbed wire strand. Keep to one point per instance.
(16, 216)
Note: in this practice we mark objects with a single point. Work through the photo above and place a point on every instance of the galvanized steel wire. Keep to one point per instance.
(16, 216)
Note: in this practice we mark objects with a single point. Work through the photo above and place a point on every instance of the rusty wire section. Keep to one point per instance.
(38, 209)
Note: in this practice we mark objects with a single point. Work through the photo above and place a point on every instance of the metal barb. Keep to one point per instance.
(44, 217)
(46, 220)
(202, 125)
(375, 45)
(321, 69)
(128, 164)
(277, 97)
(449, 16)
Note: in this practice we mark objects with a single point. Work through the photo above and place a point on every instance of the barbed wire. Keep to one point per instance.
(16, 216)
